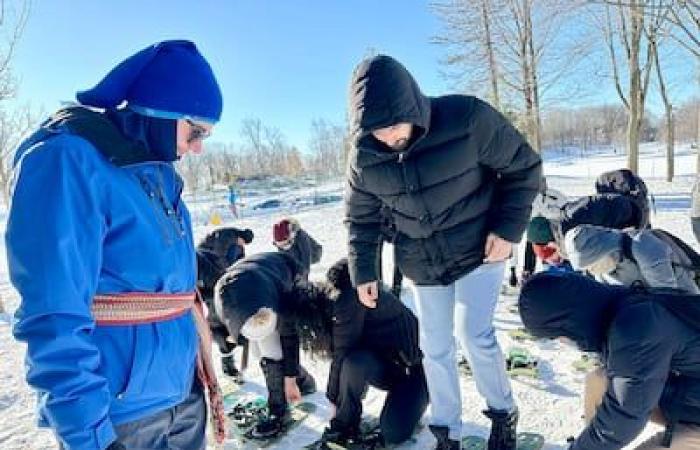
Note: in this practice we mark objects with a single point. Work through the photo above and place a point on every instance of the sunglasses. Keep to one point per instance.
(197, 132)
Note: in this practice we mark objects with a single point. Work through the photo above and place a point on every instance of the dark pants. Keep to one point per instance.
(530, 259)
(181, 427)
(406, 400)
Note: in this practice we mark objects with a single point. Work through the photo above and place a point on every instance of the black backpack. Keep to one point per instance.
(625, 182)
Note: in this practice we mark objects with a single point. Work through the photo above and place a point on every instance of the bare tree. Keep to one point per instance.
(327, 145)
(517, 45)
(15, 122)
(685, 18)
(469, 26)
(626, 47)
(668, 109)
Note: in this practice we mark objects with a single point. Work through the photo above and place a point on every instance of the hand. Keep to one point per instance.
(368, 293)
(291, 390)
(497, 249)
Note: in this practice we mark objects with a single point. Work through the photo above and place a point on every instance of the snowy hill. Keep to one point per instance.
(550, 405)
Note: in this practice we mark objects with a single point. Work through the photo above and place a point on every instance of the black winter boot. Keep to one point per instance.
(306, 382)
(276, 400)
(442, 434)
(503, 429)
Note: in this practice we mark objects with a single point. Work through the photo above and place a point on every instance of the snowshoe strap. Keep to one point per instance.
(133, 308)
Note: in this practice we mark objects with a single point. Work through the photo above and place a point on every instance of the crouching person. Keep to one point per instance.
(368, 347)
(649, 344)
(215, 253)
(250, 300)
(647, 257)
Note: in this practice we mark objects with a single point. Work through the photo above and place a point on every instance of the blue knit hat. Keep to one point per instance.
(170, 80)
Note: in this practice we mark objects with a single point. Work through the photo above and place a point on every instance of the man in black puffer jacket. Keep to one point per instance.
(649, 346)
(459, 181)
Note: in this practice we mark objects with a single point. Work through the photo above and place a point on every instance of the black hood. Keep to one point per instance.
(566, 304)
(305, 250)
(216, 252)
(383, 93)
(157, 135)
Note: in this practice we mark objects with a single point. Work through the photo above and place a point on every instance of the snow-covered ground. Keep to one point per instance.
(550, 405)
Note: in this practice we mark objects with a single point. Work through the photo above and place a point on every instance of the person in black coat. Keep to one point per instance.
(367, 347)
(250, 299)
(649, 348)
(215, 253)
(458, 181)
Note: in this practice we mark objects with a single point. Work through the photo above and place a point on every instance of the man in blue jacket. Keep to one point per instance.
(107, 284)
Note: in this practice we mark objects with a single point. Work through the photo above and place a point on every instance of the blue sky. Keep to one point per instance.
(285, 62)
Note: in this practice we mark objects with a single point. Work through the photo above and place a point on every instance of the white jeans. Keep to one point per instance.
(463, 309)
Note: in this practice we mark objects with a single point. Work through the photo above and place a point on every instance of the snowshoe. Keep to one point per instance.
(586, 363)
(520, 362)
(332, 439)
(520, 334)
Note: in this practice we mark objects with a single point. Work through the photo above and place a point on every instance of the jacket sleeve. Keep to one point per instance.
(363, 221)
(290, 346)
(518, 171)
(54, 264)
(638, 365)
(348, 323)
(654, 260)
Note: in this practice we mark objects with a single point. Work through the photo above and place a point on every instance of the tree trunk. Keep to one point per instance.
(670, 137)
(537, 123)
(493, 69)
(636, 107)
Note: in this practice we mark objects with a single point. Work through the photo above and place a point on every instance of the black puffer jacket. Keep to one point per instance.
(651, 355)
(466, 172)
(263, 280)
(604, 210)
(390, 329)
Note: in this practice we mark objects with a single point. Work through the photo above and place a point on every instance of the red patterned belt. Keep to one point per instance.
(135, 308)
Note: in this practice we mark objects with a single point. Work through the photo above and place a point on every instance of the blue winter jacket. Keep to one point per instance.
(79, 226)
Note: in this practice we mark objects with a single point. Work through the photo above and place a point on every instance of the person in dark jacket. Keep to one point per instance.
(459, 181)
(657, 364)
(215, 253)
(606, 210)
(377, 347)
(108, 309)
(289, 237)
(250, 299)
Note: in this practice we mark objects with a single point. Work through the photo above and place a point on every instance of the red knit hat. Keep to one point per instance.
(284, 232)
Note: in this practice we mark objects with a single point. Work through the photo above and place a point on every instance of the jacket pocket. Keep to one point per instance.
(163, 363)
